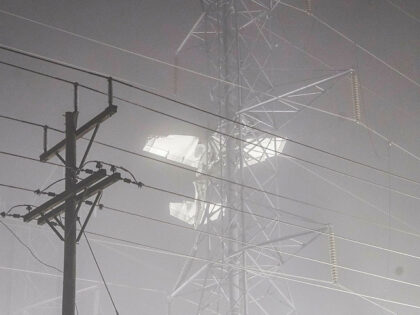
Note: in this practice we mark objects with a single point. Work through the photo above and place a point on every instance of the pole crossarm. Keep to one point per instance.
(89, 192)
(62, 197)
(101, 117)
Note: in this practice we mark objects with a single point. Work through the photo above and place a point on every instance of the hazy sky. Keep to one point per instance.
(137, 41)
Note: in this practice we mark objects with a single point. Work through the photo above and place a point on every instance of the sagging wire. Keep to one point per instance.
(113, 169)
(28, 248)
(100, 271)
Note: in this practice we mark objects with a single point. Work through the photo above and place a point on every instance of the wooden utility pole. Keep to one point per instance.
(69, 272)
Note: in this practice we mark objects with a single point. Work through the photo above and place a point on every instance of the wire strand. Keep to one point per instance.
(100, 272)
(284, 276)
(371, 222)
(28, 248)
(247, 126)
(252, 245)
(374, 223)
(186, 69)
(276, 220)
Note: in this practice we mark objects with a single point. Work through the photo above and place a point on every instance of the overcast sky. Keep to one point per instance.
(137, 41)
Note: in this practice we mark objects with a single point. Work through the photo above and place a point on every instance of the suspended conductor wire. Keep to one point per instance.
(333, 264)
(277, 152)
(333, 254)
(252, 187)
(100, 272)
(33, 254)
(273, 150)
(335, 30)
(27, 206)
(281, 222)
(265, 273)
(277, 209)
(159, 61)
(28, 248)
(407, 13)
(268, 273)
(247, 126)
(113, 166)
(233, 182)
(52, 184)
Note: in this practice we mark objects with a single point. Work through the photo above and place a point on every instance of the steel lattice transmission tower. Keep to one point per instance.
(237, 38)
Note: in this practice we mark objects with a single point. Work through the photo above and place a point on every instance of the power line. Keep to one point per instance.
(274, 220)
(15, 187)
(374, 223)
(269, 207)
(258, 272)
(132, 85)
(231, 181)
(100, 272)
(275, 151)
(70, 66)
(30, 158)
(278, 220)
(289, 277)
(251, 245)
(244, 125)
(243, 140)
(403, 11)
(28, 248)
(335, 30)
(216, 131)
(27, 206)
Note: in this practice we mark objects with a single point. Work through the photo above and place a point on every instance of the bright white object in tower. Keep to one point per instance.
(178, 148)
(188, 151)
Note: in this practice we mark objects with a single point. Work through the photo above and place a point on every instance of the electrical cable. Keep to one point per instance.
(347, 239)
(335, 30)
(100, 272)
(276, 220)
(403, 11)
(260, 190)
(248, 245)
(267, 273)
(277, 152)
(30, 158)
(282, 210)
(32, 253)
(250, 127)
(186, 69)
(29, 123)
(132, 85)
(15, 187)
(27, 206)
(290, 277)
(52, 184)
(371, 222)
(28, 248)
(36, 72)
(236, 183)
